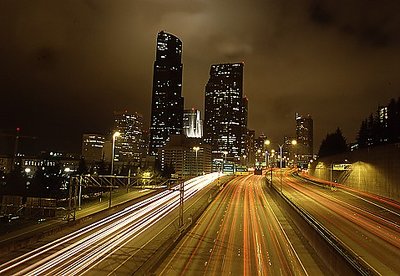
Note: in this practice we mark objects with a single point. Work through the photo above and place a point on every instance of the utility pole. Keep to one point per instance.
(181, 196)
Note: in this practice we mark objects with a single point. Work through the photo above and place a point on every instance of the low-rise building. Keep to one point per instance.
(187, 156)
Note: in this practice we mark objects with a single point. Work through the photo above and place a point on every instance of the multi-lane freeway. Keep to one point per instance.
(243, 232)
(105, 246)
(367, 225)
(239, 234)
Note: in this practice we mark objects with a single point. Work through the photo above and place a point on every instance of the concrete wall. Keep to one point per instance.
(375, 170)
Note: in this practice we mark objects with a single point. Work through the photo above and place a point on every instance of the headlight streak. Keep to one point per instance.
(79, 247)
(100, 251)
(123, 227)
(30, 255)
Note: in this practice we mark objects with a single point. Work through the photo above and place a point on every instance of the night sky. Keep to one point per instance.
(65, 66)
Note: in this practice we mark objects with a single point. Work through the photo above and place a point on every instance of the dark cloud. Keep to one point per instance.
(66, 66)
(370, 23)
(319, 14)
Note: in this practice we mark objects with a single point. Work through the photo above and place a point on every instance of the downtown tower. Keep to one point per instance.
(225, 117)
(167, 102)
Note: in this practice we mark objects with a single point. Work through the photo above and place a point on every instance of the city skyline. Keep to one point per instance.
(62, 75)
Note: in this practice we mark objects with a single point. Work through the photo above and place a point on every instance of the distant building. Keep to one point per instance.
(225, 118)
(92, 147)
(130, 145)
(304, 138)
(250, 154)
(5, 163)
(180, 152)
(259, 145)
(167, 103)
(383, 115)
(65, 163)
(192, 123)
(289, 150)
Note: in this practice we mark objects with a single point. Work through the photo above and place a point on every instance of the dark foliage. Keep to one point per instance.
(14, 183)
(168, 170)
(334, 143)
(82, 167)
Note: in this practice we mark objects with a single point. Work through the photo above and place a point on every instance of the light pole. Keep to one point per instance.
(294, 142)
(196, 149)
(115, 135)
(266, 144)
(280, 162)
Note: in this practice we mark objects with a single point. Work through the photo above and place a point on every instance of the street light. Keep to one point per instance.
(196, 149)
(294, 142)
(115, 135)
(267, 143)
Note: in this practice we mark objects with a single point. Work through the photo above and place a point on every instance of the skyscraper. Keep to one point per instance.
(192, 123)
(304, 137)
(129, 146)
(167, 103)
(225, 118)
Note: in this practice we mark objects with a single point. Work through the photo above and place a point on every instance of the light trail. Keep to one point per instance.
(236, 235)
(356, 224)
(83, 249)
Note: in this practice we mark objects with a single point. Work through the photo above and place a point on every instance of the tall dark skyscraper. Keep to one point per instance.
(304, 137)
(225, 122)
(167, 103)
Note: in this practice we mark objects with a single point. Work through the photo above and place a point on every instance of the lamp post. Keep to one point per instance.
(196, 149)
(280, 163)
(267, 142)
(115, 135)
(294, 142)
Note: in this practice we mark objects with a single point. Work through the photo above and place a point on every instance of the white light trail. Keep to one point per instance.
(85, 248)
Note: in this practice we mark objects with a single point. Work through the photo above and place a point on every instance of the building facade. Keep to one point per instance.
(167, 102)
(250, 154)
(192, 123)
(304, 138)
(92, 147)
(129, 145)
(187, 156)
(225, 118)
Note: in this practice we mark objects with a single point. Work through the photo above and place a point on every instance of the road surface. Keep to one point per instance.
(367, 226)
(239, 234)
(108, 246)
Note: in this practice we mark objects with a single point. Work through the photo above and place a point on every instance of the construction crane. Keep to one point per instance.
(17, 136)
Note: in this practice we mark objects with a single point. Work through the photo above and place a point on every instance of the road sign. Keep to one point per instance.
(341, 167)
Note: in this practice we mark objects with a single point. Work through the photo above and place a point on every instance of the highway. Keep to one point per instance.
(96, 248)
(239, 234)
(367, 225)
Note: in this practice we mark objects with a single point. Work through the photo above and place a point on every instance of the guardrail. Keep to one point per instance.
(336, 256)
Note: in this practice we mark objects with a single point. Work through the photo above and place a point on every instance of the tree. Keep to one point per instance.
(362, 137)
(37, 187)
(168, 170)
(82, 167)
(15, 182)
(334, 143)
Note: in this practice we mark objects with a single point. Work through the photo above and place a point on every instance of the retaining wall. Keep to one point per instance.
(374, 170)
